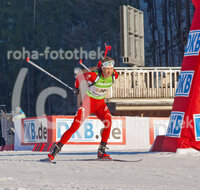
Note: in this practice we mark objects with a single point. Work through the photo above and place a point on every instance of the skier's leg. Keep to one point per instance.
(81, 115)
(83, 112)
(104, 115)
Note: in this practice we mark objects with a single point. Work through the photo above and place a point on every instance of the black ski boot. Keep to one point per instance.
(101, 154)
(55, 151)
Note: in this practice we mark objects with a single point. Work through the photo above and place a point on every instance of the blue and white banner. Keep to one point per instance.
(184, 83)
(175, 124)
(197, 126)
(90, 131)
(35, 131)
(193, 43)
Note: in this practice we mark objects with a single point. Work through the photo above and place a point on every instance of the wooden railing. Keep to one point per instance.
(145, 82)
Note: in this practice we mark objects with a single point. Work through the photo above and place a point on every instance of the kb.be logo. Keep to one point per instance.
(35, 130)
(184, 83)
(175, 124)
(193, 44)
(90, 131)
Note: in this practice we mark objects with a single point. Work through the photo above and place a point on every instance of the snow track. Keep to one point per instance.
(21, 170)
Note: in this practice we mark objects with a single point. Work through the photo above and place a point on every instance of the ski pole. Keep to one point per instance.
(107, 48)
(81, 63)
(41, 69)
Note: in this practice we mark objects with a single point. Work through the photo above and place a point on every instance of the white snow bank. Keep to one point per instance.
(187, 151)
(21, 170)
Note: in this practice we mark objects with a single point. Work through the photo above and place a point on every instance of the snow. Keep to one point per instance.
(20, 170)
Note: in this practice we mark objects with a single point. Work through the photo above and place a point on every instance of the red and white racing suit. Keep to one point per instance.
(92, 105)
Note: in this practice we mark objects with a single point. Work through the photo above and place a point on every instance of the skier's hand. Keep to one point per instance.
(76, 91)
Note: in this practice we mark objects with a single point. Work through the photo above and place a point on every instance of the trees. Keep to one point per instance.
(169, 34)
(73, 24)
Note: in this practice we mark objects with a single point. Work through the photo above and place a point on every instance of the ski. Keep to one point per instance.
(120, 160)
(46, 160)
(102, 160)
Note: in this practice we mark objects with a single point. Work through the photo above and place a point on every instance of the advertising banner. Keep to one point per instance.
(158, 126)
(34, 130)
(90, 131)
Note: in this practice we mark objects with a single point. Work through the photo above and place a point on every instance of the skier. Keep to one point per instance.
(99, 82)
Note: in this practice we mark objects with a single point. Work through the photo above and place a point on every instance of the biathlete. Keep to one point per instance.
(99, 82)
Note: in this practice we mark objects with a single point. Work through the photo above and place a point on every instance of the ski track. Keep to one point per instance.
(22, 171)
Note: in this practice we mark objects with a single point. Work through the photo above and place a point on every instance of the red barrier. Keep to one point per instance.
(184, 126)
(44, 147)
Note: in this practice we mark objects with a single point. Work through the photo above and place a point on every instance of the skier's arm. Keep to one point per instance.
(91, 76)
(116, 74)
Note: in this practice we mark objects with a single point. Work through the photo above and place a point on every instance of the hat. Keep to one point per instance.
(108, 64)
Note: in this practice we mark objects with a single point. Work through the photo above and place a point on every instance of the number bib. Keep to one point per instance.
(100, 88)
